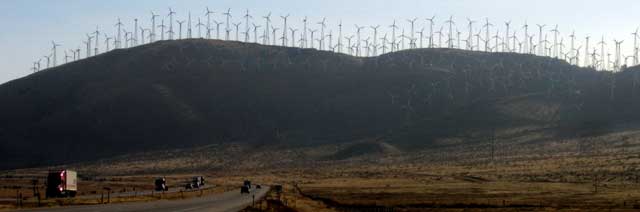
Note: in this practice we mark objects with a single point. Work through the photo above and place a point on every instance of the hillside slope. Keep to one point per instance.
(174, 94)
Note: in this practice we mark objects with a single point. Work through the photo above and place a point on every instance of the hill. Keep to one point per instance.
(190, 93)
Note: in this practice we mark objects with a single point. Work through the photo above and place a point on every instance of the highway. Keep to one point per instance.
(225, 202)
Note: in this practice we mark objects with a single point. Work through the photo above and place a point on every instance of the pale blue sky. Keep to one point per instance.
(28, 26)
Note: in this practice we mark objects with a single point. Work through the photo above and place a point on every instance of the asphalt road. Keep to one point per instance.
(226, 202)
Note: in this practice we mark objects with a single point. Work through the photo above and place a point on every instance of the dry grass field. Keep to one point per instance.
(523, 169)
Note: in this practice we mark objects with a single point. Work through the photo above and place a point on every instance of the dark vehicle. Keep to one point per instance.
(244, 190)
(62, 184)
(278, 188)
(197, 182)
(161, 184)
(247, 183)
(258, 187)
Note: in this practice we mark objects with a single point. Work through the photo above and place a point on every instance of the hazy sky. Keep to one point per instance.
(28, 26)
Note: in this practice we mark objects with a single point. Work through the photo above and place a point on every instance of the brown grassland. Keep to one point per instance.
(526, 169)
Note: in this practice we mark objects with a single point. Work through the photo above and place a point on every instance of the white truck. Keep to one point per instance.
(62, 183)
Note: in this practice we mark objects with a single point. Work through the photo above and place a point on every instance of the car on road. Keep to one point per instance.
(244, 190)
(247, 183)
(161, 184)
(197, 182)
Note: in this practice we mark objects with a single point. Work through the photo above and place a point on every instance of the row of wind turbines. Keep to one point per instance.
(362, 41)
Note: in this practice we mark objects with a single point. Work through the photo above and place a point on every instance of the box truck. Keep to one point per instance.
(63, 183)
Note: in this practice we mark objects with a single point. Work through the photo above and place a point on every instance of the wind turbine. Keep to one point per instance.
(255, 33)
(412, 22)
(540, 50)
(618, 54)
(293, 36)
(470, 40)
(421, 32)
(88, 43)
(526, 36)
(55, 53)
(586, 51)
(304, 32)
(135, 33)
(340, 37)
(312, 31)
(284, 31)
(358, 30)
(237, 25)
(635, 47)
(189, 29)
(246, 26)
(200, 25)
(508, 24)
(153, 27)
(488, 37)
(274, 35)
(218, 29)
(322, 26)
(48, 57)
(171, 13)
(228, 14)
(555, 40)
(106, 41)
(375, 34)
(97, 35)
(119, 39)
(208, 14)
(431, 30)
(451, 23)
(393, 35)
(180, 29)
(162, 26)
(266, 30)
